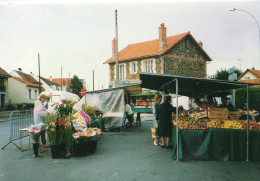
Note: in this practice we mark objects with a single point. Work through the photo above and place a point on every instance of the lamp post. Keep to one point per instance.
(234, 9)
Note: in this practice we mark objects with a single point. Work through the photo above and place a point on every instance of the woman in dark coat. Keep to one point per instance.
(165, 121)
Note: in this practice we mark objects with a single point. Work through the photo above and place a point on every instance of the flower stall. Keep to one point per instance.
(67, 131)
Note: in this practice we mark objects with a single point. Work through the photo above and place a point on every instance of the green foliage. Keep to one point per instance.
(93, 112)
(76, 85)
(223, 74)
(253, 98)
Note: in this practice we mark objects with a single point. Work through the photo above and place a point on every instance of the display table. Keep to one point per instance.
(216, 144)
(144, 110)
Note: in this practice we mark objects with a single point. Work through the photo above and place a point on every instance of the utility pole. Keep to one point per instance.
(61, 79)
(117, 69)
(39, 73)
(93, 80)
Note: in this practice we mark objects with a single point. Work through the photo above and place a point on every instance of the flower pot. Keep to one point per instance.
(84, 148)
(58, 151)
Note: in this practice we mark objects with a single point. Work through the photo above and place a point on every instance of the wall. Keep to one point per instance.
(187, 59)
(248, 74)
(18, 92)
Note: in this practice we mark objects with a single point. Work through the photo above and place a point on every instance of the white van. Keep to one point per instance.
(56, 97)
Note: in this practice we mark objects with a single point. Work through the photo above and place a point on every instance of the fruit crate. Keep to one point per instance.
(218, 113)
(198, 115)
(234, 115)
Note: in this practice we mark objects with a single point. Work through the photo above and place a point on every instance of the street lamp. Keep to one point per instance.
(234, 9)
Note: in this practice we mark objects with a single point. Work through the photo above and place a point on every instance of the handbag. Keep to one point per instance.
(154, 132)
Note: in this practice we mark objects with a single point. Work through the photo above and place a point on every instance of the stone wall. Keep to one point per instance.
(187, 59)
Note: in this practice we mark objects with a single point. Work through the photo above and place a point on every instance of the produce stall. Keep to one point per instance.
(144, 101)
(201, 144)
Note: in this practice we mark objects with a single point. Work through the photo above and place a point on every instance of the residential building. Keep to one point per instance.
(49, 85)
(3, 87)
(250, 76)
(22, 91)
(62, 84)
(179, 54)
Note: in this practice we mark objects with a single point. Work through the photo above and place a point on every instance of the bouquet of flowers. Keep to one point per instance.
(35, 131)
(93, 112)
(65, 108)
(88, 134)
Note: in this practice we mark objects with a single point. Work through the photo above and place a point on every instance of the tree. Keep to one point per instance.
(223, 74)
(76, 85)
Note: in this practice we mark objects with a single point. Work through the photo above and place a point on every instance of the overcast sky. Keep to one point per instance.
(78, 36)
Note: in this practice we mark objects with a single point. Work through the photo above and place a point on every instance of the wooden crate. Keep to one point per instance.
(218, 113)
(234, 115)
(198, 115)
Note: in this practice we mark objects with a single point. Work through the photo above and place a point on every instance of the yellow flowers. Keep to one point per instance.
(52, 129)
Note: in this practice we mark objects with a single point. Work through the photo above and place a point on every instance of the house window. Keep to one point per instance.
(30, 93)
(35, 94)
(133, 67)
(148, 66)
(121, 72)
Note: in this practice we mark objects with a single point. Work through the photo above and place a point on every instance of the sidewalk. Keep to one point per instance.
(128, 155)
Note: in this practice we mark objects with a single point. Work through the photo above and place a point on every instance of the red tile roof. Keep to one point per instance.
(255, 72)
(25, 81)
(254, 81)
(149, 48)
(58, 81)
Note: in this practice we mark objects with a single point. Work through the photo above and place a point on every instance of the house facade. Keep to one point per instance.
(4, 76)
(179, 54)
(250, 76)
(22, 91)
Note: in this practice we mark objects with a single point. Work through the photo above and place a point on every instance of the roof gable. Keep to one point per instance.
(27, 77)
(25, 81)
(48, 81)
(150, 48)
(255, 72)
(3, 73)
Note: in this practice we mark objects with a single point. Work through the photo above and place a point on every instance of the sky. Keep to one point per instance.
(77, 35)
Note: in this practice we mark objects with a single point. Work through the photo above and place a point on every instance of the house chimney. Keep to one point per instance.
(162, 37)
(201, 44)
(19, 69)
(50, 78)
(32, 74)
(114, 48)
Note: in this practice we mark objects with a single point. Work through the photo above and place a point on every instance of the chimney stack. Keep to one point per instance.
(162, 37)
(201, 44)
(114, 48)
(19, 69)
(50, 78)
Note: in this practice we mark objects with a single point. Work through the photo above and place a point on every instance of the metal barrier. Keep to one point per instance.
(18, 121)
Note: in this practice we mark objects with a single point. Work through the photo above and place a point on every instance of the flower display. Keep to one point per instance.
(35, 131)
(93, 112)
(91, 133)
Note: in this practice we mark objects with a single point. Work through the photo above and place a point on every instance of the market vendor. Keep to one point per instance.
(226, 103)
(39, 113)
(205, 105)
(129, 114)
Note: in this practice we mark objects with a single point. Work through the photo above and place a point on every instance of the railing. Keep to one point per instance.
(18, 121)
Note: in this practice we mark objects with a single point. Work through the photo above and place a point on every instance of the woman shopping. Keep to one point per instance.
(156, 107)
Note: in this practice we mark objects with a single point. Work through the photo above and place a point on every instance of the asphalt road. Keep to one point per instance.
(128, 155)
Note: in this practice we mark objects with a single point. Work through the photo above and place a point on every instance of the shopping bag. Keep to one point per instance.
(154, 132)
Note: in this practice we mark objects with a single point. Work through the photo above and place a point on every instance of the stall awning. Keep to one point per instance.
(130, 89)
(188, 86)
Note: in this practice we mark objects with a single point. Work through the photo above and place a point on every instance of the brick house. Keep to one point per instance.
(178, 54)
(3, 87)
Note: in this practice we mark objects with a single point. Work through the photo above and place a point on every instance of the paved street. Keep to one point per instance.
(128, 155)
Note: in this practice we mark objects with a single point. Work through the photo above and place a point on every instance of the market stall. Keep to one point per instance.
(111, 102)
(192, 87)
(144, 101)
